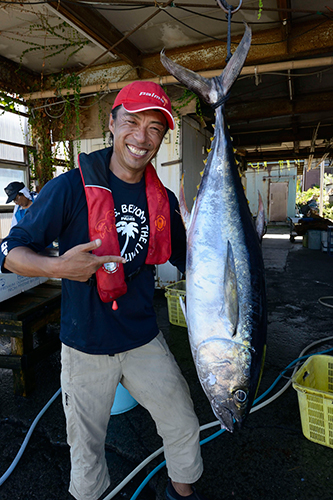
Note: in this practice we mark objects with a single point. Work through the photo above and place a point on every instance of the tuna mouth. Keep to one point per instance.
(226, 418)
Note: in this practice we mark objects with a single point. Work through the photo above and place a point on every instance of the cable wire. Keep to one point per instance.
(214, 423)
(252, 44)
(27, 437)
(160, 450)
(322, 299)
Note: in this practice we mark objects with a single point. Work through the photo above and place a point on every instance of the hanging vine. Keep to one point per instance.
(47, 115)
(58, 39)
(42, 166)
(261, 5)
(69, 104)
(101, 118)
(185, 99)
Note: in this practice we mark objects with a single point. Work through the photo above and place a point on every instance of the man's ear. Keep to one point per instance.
(111, 124)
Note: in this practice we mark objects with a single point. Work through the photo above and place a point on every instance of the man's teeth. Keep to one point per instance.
(137, 151)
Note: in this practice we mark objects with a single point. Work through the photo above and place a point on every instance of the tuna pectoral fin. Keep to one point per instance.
(231, 308)
(183, 307)
(260, 220)
(184, 212)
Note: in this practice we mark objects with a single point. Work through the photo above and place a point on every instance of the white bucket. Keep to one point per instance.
(314, 239)
(123, 401)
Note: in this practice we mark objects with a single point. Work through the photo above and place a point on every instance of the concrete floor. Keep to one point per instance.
(269, 458)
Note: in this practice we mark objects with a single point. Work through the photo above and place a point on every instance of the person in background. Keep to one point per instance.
(22, 197)
(115, 221)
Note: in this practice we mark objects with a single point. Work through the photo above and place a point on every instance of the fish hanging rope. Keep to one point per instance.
(221, 101)
(229, 10)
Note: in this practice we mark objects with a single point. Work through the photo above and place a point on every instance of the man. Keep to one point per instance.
(113, 205)
(22, 197)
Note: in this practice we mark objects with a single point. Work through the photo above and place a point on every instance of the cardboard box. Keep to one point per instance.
(12, 284)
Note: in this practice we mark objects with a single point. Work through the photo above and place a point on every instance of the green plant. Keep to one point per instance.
(260, 8)
(101, 118)
(69, 81)
(313, 194)
(185, 99)
(42, 166)
(328, 211)
(7, 102)
(58, 38)
(304, 197)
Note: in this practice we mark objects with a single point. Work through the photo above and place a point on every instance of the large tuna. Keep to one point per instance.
(225, 284)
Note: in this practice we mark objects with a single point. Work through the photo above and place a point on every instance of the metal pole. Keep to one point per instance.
(321, 197)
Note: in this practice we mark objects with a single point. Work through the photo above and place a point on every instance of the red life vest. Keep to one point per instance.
(102, 222)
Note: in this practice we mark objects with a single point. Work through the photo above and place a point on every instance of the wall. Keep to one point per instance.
(195, 142)
(259, 180)
(5, 223)
(13, 166)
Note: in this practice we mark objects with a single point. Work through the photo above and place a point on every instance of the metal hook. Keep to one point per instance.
(225, 6)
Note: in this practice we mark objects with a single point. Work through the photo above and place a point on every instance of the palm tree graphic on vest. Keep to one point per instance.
(128, 229)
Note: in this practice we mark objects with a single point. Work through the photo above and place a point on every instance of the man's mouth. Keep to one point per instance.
(137, 151)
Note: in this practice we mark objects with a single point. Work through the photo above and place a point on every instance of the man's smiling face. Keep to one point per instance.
(136, 141)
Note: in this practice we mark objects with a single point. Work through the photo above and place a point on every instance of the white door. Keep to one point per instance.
(278, 200)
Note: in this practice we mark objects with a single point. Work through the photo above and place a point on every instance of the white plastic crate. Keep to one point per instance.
(12, 284)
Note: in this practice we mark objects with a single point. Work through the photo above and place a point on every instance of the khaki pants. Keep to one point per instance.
(152, 376)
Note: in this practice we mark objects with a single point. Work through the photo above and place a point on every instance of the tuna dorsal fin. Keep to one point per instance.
(215, 89)
(231, 308)
(184, 212)
(260, 220)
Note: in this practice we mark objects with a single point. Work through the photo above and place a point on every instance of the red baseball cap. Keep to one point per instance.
(140, 96)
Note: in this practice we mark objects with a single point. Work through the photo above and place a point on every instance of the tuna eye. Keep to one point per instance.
(240, 395)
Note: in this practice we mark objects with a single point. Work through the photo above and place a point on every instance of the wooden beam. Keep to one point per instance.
(281, 154)
(279, 107)
(100, 29)
(261, 138)
(306, 40)
(16, 79)
(152, 3)
(284, 7)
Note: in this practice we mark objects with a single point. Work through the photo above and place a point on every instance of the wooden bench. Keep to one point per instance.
(20, 317)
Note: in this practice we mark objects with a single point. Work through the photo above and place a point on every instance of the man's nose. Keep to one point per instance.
(141, 134)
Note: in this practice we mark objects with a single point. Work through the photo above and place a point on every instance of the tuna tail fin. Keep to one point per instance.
(214, 90)
(198, 84)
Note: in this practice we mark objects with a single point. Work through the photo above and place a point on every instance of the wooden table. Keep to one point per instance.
(22, 316)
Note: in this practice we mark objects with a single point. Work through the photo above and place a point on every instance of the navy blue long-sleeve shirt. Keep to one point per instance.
(60, 211)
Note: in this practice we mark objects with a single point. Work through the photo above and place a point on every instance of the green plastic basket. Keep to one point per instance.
(173, 293)
(314, 385)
